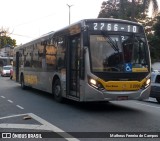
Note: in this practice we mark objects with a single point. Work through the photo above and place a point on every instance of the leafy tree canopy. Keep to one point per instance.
(5, 39)
(154, 39)
(121, 9)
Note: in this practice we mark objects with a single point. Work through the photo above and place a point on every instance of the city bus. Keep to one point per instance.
(90, 60)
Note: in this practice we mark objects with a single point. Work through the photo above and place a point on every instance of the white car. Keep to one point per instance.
(155, 85)
(6, 70)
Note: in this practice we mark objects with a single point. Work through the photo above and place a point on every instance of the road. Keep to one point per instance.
(36, 111)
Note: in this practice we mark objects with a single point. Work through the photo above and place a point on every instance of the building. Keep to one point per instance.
(6, 51)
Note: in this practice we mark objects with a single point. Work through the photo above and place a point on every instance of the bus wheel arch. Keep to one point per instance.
(57, 89)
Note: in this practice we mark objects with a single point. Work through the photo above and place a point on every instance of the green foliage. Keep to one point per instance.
(155, 48)
(154, 39)
(121, 10)
(156, 26)
(5, 40)
(128, 9)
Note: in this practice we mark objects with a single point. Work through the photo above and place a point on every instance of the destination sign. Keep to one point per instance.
(114, 27)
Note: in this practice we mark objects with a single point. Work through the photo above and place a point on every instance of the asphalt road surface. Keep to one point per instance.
(35, 115)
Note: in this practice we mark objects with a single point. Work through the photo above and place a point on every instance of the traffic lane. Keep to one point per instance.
(28, 130)
(126, 115)
(72, 116)
(7, 108)
(28, 123)
(96, 108)
(15, 122)
(89, 108)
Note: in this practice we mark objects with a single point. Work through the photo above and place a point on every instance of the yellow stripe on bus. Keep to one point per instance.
(122, 85)
(30, 79)
(139, 70)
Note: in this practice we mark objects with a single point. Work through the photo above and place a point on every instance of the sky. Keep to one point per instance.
(29, 19)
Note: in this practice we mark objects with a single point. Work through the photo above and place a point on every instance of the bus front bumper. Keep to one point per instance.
(92, 94)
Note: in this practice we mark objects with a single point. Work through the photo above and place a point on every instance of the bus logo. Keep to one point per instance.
(6, 135)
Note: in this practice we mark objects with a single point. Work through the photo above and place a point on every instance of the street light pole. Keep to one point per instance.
(69, 6)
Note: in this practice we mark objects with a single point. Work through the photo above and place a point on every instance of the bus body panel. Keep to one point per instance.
(95, 95)
(43, 80)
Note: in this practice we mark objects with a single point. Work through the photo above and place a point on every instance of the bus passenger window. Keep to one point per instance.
(61, 51)
(50, 56)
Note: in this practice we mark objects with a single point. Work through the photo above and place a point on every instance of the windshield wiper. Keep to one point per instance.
(112, 43)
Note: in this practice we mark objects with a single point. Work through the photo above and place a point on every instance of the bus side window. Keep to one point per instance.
(50, 55)
(61, 51)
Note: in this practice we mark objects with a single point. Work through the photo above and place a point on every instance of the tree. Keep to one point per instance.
(122, 9)
(154, 39)
(5, 39)
(146, 6)
(156, 26)
(134, 10)
(109, 9)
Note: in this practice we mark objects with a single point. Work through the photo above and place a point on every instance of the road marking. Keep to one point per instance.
(2, 96)
(44, 125)
(13, 116)
(54, 128)
(10, 101)
(20, 107)
(148, 105)
(24, 126)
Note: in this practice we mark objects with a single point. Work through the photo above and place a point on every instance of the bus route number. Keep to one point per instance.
(115, 27)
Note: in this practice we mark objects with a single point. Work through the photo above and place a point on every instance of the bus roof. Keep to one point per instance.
(82, 22)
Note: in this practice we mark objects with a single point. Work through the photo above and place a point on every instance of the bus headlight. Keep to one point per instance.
(94, 83)
(147, 83)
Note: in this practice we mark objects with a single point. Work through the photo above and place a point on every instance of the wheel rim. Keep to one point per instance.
(57, 90)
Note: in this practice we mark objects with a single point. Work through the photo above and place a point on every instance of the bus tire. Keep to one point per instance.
(57, 91)
(22, 82)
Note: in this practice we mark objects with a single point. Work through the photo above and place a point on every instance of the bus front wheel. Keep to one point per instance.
(57, 90)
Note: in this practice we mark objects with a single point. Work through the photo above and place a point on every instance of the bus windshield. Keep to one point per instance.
(117, 53)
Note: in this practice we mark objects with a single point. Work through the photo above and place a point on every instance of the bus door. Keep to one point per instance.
(17, 67)
(73, 86)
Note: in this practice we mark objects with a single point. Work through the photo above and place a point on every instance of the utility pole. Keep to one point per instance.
(69, 6)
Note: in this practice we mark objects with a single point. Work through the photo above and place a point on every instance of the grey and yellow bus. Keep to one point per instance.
(91, 60)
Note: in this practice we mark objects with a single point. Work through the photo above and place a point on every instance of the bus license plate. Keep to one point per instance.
(122, 98)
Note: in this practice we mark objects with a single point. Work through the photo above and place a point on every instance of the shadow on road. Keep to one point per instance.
(83, 106)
